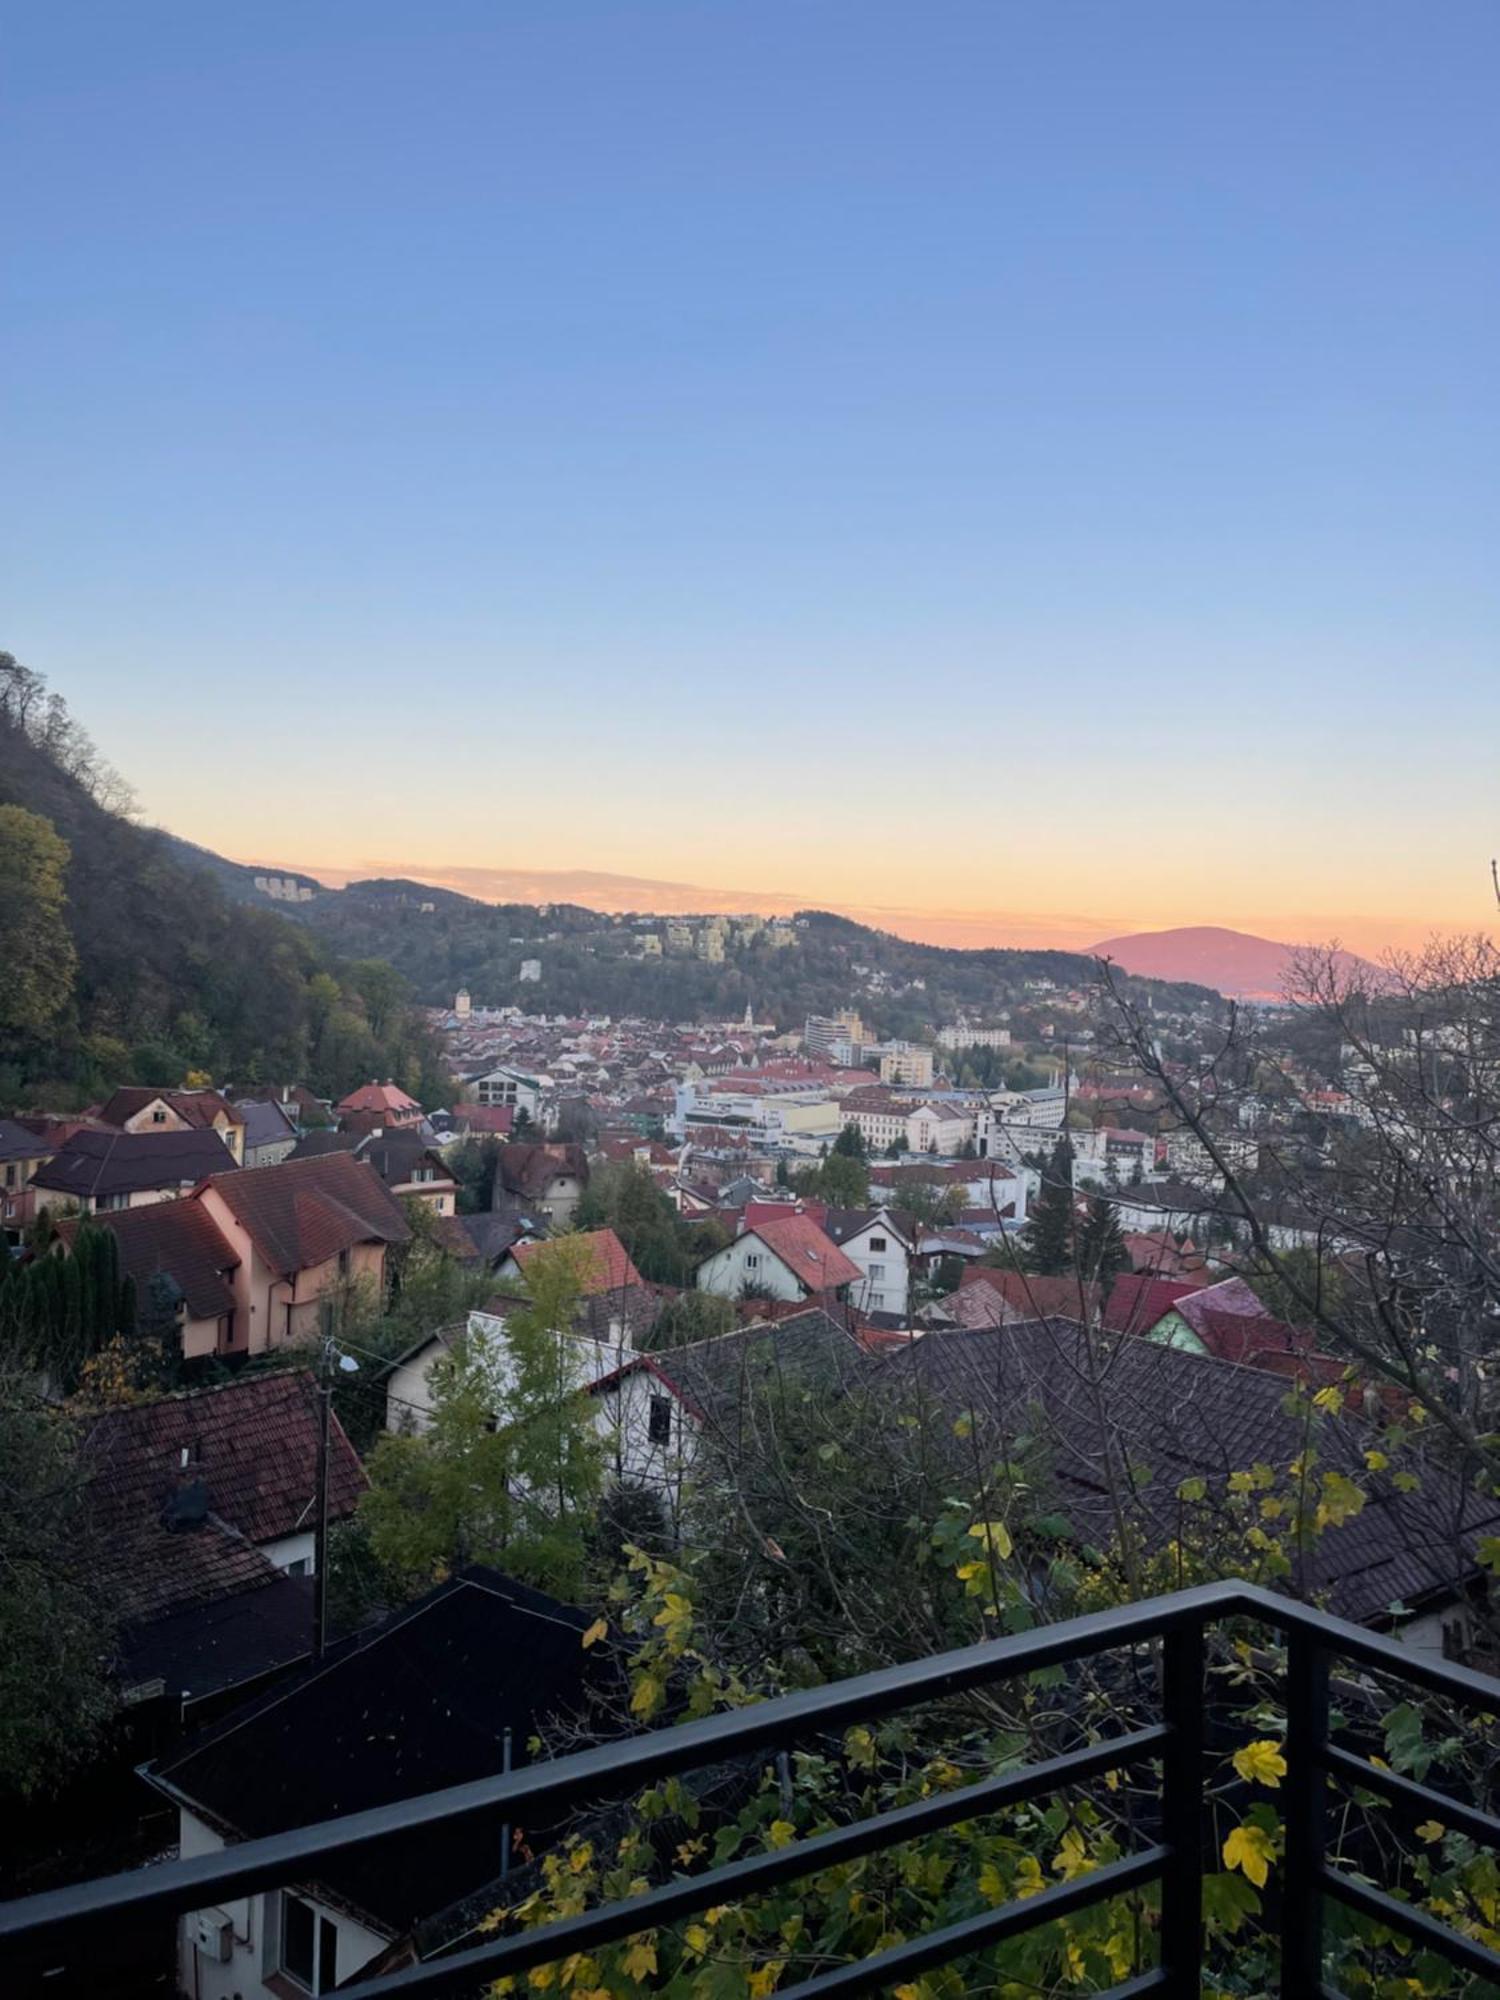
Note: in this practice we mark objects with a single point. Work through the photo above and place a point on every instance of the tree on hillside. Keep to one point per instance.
(842, 1179)
(36, 952)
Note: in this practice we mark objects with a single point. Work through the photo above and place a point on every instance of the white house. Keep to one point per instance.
(504, 1084)
(788, 1258)
(873, 1240)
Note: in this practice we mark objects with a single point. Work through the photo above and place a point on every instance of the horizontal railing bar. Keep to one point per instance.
(276, 1859)
(1374, 1649)
(757, 1872)
(1420, 1800)
(612, 1768)
(907, 1961)
(1412, 1922)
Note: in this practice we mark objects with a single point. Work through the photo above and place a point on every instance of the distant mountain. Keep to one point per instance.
(1236, 963)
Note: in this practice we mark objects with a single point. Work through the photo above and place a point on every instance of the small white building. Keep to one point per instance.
(872, 1239)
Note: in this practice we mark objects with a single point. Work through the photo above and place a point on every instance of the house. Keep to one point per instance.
(617, 1303)
(297, 1233)
(546, 1180)
(657, 1409)
(881, 1243)
(104, 1171)
(409, 1388)
(377, 1107)
(22, 1152)
(175, 1243)
(791, 1258)
(454, 1688)
(141, 1108)
(270, 1131)
(1096, 1402)
(410, 1167)
(503, 1085)
(203, 1504)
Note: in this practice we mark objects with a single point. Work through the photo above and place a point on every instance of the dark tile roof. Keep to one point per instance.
(178, 1239)
(302, 1212)
(96, 1164)
(395, 1156)
(18, 1143)
(266, 1124)
(528, 1171)
(418, 1703)
(714, 1376)
(205, 1649)
(1099, 1400)
(197, 1108)
(251, 1452)
(318, 1145)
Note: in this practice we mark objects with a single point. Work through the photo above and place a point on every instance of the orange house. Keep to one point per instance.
(296, 1234)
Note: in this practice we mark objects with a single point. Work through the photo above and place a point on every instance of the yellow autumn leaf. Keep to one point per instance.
(639, 1962)
(763, 1979)
(992, 1885)
(1329, 1398)
(1072, 1858)
(697, 1940)
(1376, 1461)
(1430, 1830)
(781, 1833)
(1030, 1880)
(995, 1535)
(580, 1857)
(1250, 1848)
(1261, 1763)
(596, 1632)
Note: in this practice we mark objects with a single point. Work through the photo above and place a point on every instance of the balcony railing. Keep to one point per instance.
(1180, 1624)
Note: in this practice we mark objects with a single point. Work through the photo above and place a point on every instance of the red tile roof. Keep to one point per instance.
(303, 1212)
(177, 1239)
(808, 1253)
(251, 1446)
(387, 1097)
(1138, 1299)
(608, 1268)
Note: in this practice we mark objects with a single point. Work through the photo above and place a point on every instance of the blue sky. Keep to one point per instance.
(886, 451)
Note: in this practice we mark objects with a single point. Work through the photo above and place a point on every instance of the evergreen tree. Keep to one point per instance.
(850, 1143)
(1049, 1231)
(1101, 1247)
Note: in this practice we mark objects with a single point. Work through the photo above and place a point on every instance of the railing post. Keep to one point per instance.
(1182, 1696)
(1306, 1793)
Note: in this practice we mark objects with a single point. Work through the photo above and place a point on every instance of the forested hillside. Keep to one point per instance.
(593, 963)
(117, 961)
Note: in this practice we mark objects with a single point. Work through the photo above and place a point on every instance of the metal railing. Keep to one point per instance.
(1180, 1623)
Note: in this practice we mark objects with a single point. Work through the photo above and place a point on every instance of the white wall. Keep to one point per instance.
(254, 1934)
(748, 1261)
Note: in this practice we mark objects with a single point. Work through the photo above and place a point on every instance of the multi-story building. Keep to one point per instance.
(906, 1064)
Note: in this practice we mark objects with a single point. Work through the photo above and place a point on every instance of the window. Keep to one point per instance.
(158, 1118)
(309, 1946)
(752, 1260)
(343, 1263)
(660, 1423)
(877, 1272)
(877, 1242)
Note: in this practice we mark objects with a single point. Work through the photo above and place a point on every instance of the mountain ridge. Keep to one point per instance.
(1238, 964)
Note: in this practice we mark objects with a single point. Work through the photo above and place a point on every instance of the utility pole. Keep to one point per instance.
(320, 1523)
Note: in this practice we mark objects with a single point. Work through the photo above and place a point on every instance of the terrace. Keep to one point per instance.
(1172, 1633)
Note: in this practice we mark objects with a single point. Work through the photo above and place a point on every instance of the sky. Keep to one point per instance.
(1027, 470)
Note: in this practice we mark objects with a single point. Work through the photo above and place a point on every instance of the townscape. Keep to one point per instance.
(334, 1403)
(750, 1001)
